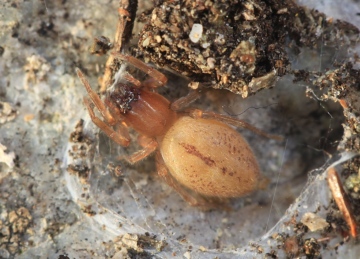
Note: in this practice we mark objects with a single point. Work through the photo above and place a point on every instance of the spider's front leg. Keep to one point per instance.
(96, 99)
(121, 136)
(112, 134)
(157, 78)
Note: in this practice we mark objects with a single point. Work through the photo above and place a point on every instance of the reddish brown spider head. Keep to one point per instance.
(121, 99)
(146, 112)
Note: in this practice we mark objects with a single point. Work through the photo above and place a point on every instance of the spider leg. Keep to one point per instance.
(159, 78)
(148, 147)
(183, 102)
(96, 99)
(122, 130)
(196, 113)
(115, 136)
(132, 80)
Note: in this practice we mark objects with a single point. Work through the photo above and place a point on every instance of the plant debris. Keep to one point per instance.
(241, 46)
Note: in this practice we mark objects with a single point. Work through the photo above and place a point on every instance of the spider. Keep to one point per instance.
(197, 153)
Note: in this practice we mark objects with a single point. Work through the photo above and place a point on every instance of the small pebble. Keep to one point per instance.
(196, 32)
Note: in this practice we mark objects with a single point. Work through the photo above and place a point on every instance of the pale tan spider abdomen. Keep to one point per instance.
(210, 158)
